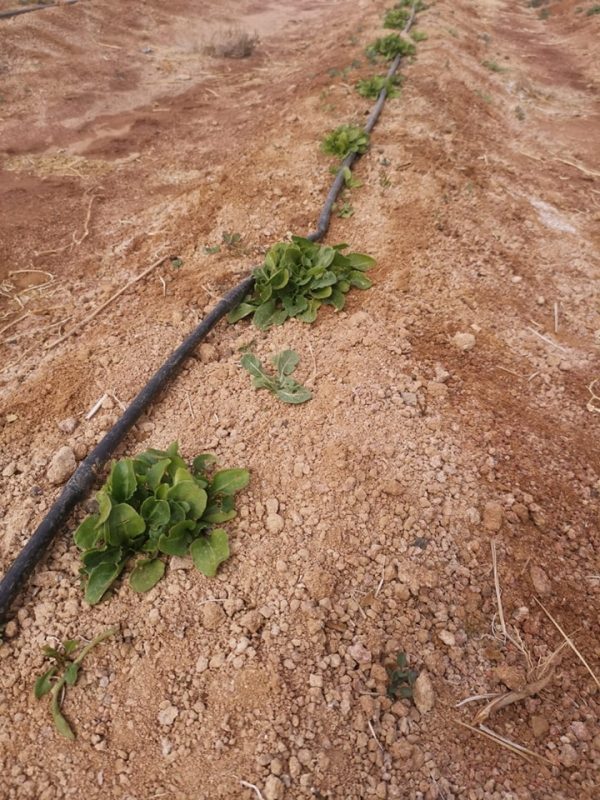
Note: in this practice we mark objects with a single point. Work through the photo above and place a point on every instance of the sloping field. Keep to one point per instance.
(454, 411)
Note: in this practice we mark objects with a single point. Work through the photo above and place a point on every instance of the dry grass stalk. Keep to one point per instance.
(534, 687)
(231, 42)
(593, 404)
(100, 308)
(497, 585)
(568, 641)
(254, 788)
(514, 747)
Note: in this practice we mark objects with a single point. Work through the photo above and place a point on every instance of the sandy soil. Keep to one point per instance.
(367, 524)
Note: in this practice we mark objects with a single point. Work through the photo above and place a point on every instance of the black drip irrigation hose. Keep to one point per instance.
(86, 474)
(16, 12)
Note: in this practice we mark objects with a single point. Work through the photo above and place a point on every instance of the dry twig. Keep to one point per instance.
(514, 747)
(497, 585)
(535, 687)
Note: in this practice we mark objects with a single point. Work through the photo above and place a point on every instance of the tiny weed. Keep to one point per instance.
(485, 96)
(67, 660)
(153, 505)
(519, 113)
(231, 240)
(384, 181)
(210, 251)
(281, 384)
(349, 180)
(493, 66)
(345, 211)
(345, 140)
(544, 14)
(372, 87)
(593, 10)
(176, 262)
(401, 679)
(418, 36)
(298, 277)
(389, 47)
(396, 18)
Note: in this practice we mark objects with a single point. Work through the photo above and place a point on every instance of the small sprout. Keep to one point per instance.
(298, 277)
(65, 671)
(595, 9)
(280, 384)
(493, 66)
(345, 211)
(231, 240)
(210, 251)
(372, 87)
(344, 140)
(401, 679)
(389, 47)
(153, 505)
(418, 36)
(176, 262)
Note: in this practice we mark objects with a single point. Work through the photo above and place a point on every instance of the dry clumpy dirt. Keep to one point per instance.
(451, 403)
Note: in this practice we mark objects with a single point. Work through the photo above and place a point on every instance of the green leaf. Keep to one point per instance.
(229, 481)
(360, 281)
(190, 492)
(156, 472)
(71, 673)
(202, 462)
(280, 279)
(176, 542)
(124, 523)
(60, 723)
(101, 555)
(156, 512)
(294, 394)
(70, 645)
(360, 261)
(178, 512)
(43, 684)
(286, 362)
(123, 482)
(209, 551)
(216, 516)
(241, 311)
(87, 533)
(266, 314)
(310, 314)
(104, 506)
(146, 574)
(252, 365)
(100, 578)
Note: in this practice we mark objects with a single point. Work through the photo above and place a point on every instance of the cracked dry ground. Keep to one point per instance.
(451, 403)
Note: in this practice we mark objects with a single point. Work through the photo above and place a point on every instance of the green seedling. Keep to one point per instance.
(396, 18)
(493, 66)
(372, 87)
(210, 251)
(389, 47)
(280, 384)
(345, 211)
(350, 182)
(298, 277)
(345, 140)
(593, 10)
(401, 679)
(67, 660)
(176, 262)
(154, 505)
(231, 240)
(418, 36)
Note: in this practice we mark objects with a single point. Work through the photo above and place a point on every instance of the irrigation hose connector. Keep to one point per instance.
(88, 471)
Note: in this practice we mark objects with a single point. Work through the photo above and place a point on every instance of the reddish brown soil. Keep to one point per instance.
(121, 141)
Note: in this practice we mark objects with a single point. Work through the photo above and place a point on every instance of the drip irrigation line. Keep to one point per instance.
(15, 12)
(88, 471)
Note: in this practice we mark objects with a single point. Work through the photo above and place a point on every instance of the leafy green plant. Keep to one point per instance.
(350, 182)
(390, 46)
(418, 36)
(396, 18)
(593, 10)
(344, 140)
(401, 678)
(372, 87)
(67, 660)
(154, 505)
(297, 277)
(281, 384)
(345, 211)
